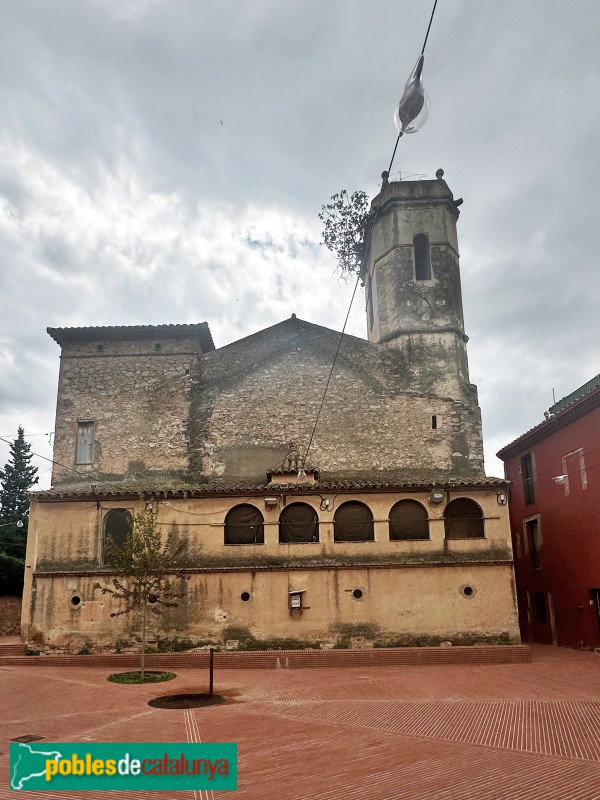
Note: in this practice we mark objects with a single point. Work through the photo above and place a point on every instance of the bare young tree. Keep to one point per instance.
(144, 568)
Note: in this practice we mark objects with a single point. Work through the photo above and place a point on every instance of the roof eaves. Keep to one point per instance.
(133, 332)
(236, 488)
(574, 411)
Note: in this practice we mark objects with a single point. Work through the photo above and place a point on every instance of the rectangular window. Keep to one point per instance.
(527, 476)
(84, 446)
(534, 540)
(541, 616)
(518, 543)
(573, 467)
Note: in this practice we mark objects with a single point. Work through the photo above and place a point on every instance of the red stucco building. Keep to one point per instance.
(554, 515)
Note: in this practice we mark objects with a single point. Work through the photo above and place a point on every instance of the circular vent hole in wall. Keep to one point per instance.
(75, 600)
(245, 596)
(357, 594)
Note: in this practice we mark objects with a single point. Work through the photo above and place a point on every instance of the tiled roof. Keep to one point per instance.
(291, 464)
(127, 332)
(571, 398)
(244, 487)
(577, 408)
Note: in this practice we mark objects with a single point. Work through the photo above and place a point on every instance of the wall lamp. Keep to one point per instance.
(271, 502)
(502, 498)
(437, 496)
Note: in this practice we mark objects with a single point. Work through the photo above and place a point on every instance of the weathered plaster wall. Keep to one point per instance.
(64, 559)
(418, 601)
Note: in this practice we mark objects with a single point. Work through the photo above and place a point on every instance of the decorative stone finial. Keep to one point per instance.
(439, 174)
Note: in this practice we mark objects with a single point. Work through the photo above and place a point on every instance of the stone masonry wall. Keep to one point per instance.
(169, 415)
(259, 395)
(421, 317)
(137, 394)
(10, 616)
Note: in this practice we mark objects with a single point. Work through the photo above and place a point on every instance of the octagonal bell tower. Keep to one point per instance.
(412, 278)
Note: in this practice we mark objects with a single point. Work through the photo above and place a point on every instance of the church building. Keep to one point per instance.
(387, 532)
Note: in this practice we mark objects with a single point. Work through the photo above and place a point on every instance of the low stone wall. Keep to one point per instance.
(10, 616)
(292, 659)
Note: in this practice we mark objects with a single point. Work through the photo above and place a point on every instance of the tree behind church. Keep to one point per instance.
(16, 478)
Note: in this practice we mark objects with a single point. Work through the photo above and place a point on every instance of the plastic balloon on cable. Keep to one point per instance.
(413, 108)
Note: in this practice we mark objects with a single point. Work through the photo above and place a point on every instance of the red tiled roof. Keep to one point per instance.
(574, 411)
(291, 464)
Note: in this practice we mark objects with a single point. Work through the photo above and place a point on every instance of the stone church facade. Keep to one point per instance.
(388, 533)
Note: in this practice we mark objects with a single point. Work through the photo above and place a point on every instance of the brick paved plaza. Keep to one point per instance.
(513, 731)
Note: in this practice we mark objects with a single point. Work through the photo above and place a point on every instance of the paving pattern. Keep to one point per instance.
(497, 732)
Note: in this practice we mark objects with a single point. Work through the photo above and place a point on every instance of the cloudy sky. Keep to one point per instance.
(164, 161)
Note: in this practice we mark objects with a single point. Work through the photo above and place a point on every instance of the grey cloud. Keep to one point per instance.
(127, 201)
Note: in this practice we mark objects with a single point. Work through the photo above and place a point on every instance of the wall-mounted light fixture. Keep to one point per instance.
(560, 479)
(437, 496)
(502, 497)
(271, 502)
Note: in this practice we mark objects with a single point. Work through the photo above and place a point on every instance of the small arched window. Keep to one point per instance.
(422, 259)
(408, 520)
(244, 525)
(298, 522)
(118, 524)
(353, 522)
(463, 519)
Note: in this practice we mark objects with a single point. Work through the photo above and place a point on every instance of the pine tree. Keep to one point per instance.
(17, 477)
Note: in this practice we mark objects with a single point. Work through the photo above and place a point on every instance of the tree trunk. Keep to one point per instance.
(143, 637)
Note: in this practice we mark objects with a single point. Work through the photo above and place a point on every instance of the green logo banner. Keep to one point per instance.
(122, 765)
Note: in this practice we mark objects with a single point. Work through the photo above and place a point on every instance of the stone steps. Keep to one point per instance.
(12, 649)
(289, 659)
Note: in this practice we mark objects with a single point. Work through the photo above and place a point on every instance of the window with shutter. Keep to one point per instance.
(84, 448)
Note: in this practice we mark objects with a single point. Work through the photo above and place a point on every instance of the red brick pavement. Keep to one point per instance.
(505, 732)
